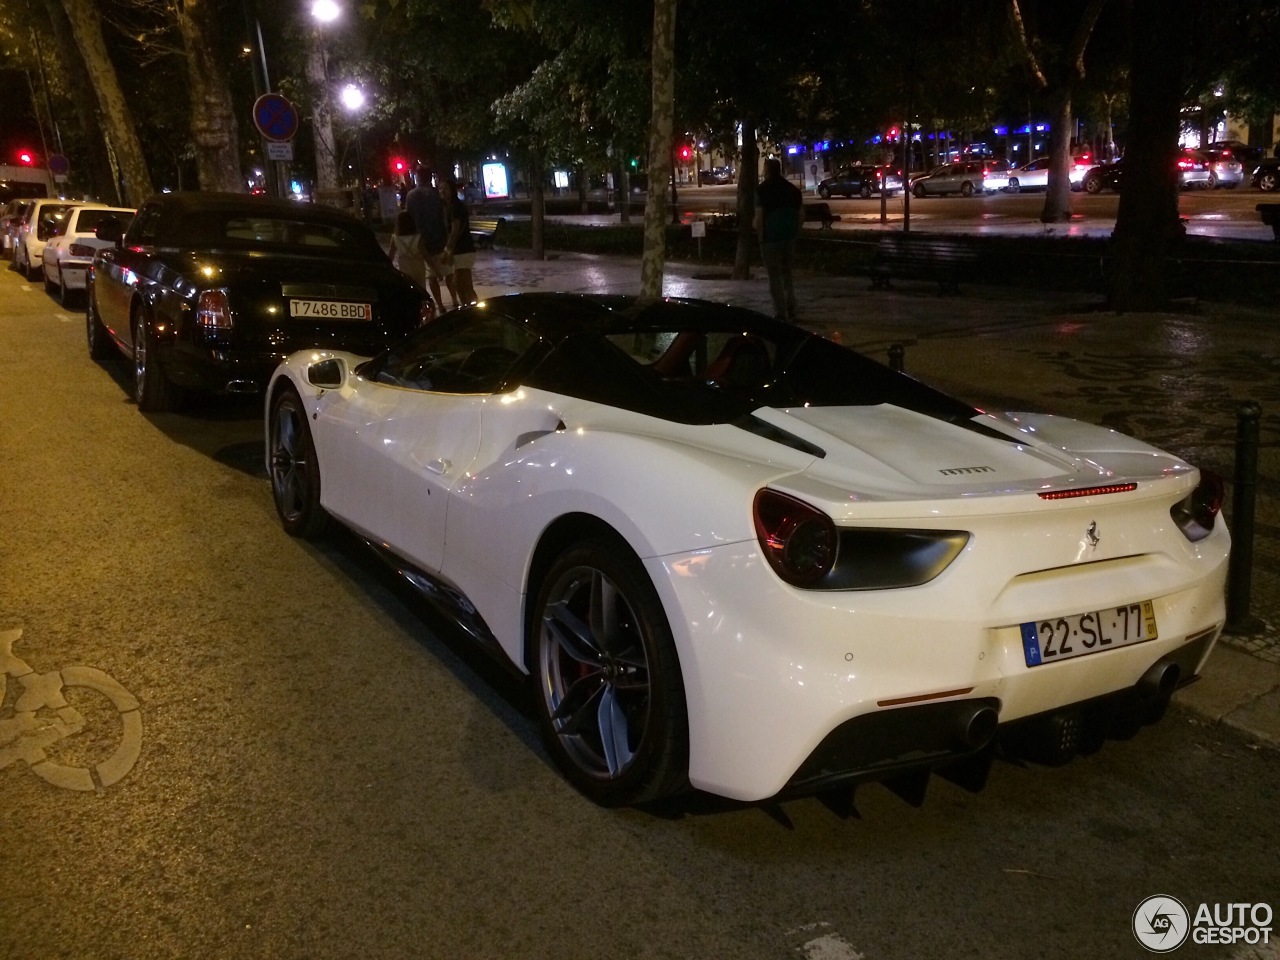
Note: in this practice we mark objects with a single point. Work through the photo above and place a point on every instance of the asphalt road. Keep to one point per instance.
(324, 771)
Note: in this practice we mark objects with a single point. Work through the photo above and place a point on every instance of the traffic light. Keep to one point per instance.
(398, 166)
(635, 163)
(685, 153)
(26, 158)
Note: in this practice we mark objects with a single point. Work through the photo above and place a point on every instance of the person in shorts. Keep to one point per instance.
(428, 211)
(460, 248)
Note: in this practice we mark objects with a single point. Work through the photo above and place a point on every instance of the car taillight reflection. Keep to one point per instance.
(427, 311)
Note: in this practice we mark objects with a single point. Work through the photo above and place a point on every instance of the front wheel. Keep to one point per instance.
(1093, 185)
(95, 333)
(1267, 181)
(918, 191)
(1014, 187)
(294, 469)
(865, 192)
(824, 192)
(610, 697)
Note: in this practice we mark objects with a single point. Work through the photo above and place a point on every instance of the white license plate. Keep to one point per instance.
(330, 310)
(1061, 638)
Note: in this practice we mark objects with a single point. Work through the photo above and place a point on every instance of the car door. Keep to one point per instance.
(118, 271)
(393, 446)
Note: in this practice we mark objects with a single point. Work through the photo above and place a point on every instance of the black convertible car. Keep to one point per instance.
(209, 291)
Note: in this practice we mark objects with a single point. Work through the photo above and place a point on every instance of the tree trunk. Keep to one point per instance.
(95, 167)
(86, 27)
(748, 180)
(322, 117)
(583, 205)
(661, 127)
(1057, 200)
(1147, 218)
(538, 205)
(213, 121)
(624, 195)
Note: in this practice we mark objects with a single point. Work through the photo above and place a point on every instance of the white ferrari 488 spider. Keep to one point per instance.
(738, 557)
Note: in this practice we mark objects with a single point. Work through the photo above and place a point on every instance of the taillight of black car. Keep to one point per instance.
(213, 312)
(1196, 513)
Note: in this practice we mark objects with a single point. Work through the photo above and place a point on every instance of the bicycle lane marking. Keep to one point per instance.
(28, 733)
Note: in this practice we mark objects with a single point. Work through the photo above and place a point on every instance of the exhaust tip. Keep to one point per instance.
(1160, 680)
(976, 725)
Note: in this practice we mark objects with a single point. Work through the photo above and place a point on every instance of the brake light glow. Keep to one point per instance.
(213, 312)
(1088, 491)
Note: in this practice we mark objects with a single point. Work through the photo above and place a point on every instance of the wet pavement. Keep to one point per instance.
(1177, 380)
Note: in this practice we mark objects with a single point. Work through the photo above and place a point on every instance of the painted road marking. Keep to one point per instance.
(42, 717)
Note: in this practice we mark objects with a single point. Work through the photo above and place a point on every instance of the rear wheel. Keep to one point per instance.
(1092, 184)
(151, 389)
(1013, 185)
(966, 189)
(294, 469)
(918, 190)
(49, 285)
(610, 697)
(865, 192)
(824, 192)
(1267, 181)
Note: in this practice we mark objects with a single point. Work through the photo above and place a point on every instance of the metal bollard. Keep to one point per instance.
(897, 353)
(1243, 497)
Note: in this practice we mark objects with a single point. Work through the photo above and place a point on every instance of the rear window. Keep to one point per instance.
(232, 229)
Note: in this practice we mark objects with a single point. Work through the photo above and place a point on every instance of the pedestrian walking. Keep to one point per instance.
(424, 204)
(460, 248)
(779, 215)
(405, 252)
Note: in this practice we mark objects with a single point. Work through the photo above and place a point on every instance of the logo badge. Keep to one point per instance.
(1161, 923)
(1092, 534)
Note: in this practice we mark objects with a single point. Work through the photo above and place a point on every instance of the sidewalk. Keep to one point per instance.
(1176, 380)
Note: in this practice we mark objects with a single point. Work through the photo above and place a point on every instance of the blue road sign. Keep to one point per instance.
(275, 117)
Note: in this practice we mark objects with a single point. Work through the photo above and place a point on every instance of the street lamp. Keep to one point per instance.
(325, 11)
(353, 101)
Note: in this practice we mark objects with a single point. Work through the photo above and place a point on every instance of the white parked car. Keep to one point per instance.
(66, 257)
(736, 556)
(1035, 175)
(40, 221)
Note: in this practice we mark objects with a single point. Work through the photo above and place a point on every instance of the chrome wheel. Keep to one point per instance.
(151, 390)
(610, 695)
(291, 462)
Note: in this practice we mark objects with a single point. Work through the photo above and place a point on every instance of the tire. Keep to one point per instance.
(1092, 184)
(1267, 181)
(865, 192)
(151, 389)
(1014, 186)
(293, 467)
(824, 192)
(609, 695)
(1212, 182)
(966, 189)
(49, 286)
(918, 191)
(64, 295)
(96, 335)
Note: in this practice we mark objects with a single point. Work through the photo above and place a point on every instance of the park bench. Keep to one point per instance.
(1270, 213)
(820, 213)
(483, 229)
(911, 257)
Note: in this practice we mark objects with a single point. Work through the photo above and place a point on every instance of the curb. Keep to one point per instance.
(1238, 690)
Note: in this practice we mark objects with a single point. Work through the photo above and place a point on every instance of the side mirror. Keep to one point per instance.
(110, 229)
(327, 374)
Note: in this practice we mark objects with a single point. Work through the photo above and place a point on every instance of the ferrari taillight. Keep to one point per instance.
(1196, 513)
(213, 312)
(799, 541)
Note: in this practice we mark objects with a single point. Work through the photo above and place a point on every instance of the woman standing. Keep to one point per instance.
(459, 248)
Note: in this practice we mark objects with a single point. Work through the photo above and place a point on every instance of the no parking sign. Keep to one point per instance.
(275, 117)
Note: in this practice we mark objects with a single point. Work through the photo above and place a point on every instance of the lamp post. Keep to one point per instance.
(324, 12)
(353, 100)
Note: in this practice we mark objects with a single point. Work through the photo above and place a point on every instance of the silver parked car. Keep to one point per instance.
(1225, 169)
(964, 177)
